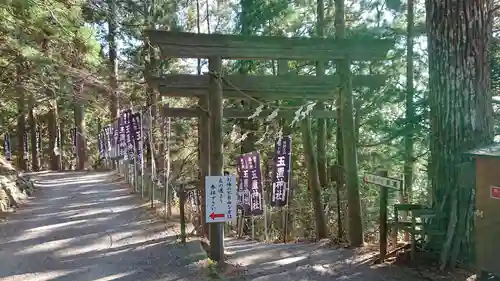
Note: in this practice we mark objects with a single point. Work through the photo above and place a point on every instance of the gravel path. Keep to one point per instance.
(82, 227)
(308, 262)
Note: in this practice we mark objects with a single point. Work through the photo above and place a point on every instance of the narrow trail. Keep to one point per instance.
(82, 227)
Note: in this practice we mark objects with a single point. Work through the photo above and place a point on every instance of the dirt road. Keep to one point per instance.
(82, 227)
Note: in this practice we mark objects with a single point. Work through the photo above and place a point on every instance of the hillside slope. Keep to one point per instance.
(14, 188)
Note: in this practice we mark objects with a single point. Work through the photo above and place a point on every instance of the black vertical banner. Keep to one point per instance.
(109, 141)
(38, 142)
(128, 134)
(243, 194)
(116, 138)
(250, 197)
(74, 141)
(101, 143)
(25, 146)
(106, 131)
(136, 123)
(6, 147)
(122, 141)
(281, 171)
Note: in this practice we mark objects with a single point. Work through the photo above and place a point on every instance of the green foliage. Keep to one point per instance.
(46, 52)
(495, 68)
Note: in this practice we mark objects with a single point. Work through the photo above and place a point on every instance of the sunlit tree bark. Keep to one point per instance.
(459, 34)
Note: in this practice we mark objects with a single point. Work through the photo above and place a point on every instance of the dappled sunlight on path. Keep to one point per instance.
(81, 227)
(308, 262)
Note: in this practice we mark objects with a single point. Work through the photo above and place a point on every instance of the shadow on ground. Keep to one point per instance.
(311, 262)
(81, 227)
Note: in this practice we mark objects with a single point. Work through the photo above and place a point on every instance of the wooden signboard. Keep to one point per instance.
(384, 181)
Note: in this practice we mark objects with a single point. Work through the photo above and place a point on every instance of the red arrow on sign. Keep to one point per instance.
(213, 216)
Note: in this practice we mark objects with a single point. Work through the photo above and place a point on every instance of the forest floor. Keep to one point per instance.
(257, 261)
(84, 227)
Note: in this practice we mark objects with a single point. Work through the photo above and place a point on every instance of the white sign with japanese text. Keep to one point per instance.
(220, 198)
(383, 181)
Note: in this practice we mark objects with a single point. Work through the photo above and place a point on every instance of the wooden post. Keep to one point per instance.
(151, 159)
(168, 131)
(141, 143)
(413, 238)
(182, 203)
(204, 150)
(404, 199)
(216, 150)
(283, 70)
(384, 195)
(99, 129)
(394, 232)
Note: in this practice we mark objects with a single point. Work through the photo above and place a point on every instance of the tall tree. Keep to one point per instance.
(113, 58)
(149, 71)
(52, 116)
(314, 183)
(53, 128)
(410, 106)
(350, 161)
(461, 114)
(79, 117)
(33, 127)
(203, 131)
(247, 22)
(21, 119)
(320, 71)
(311, 156)
(79, 107)
(313, 160)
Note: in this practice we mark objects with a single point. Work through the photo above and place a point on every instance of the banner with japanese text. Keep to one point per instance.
(136, 134)
(38, 142)
(281, 171)
(101, 144)
(250, 197)
(6, 147)
(128, 135)
(112, 141)
(57, 144)
(146, 122)
(194, 197)
(25, 146)
(107, 136)
(73, 141)
(115, 140)
(122, 127)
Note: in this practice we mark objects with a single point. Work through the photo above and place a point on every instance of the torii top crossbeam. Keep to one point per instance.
(194, 45)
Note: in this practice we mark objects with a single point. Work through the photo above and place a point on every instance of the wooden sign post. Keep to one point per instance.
(382, 180)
